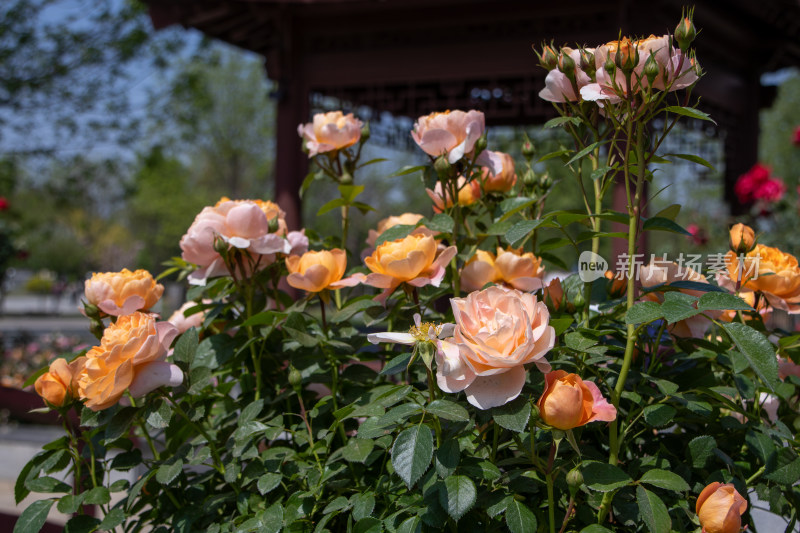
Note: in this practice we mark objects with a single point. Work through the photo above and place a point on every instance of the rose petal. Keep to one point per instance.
(153, 375)
(496, 390)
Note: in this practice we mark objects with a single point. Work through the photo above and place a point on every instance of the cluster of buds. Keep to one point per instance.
(620, 68)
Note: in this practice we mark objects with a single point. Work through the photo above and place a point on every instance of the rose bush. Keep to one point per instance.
(443, 384)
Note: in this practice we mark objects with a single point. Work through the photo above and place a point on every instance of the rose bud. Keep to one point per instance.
(548, 58)
(742, 238)
(685, 32)
(569, 402)
(565, 63)
(60, 384)
(720, 508)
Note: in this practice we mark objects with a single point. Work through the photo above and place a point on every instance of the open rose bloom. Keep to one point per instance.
(406, 219)
(512, 267)
(453, 133)
(330, 131)
(317, 271)
(131, 356)
(122, 293)
(60, 383)
(498, 331)
(768, 270)
(558, 87)
(242, 224)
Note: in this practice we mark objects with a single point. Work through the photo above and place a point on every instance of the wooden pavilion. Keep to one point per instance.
(412, 57)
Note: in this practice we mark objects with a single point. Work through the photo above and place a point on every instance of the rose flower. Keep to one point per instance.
(558, 86)
(498, 173)
(131, 356)
(468, 194)
(59, 384)
(122, 293)
(184, 322)
(413, 260)
(453, 133)
(317, 271)
(252, 225)
(720, 508)
(330, 131)
(569, 402)
(498, 331)
(770, 271)
(523, 271)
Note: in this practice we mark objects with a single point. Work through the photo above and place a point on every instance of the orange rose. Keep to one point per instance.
(330, 131)
(523, 271)
(617, 286)
(569, 402)
(59, 385)
(498, 331)
(316, 271)
(553, 294)
(406, 219)
(411, 260)
(130, 356)
(122, 293)
(500, 175)
(720, 508)
(774, 273)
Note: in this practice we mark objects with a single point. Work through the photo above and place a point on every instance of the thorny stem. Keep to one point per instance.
(551, 508)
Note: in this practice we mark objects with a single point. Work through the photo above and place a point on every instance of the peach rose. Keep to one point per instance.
(468, 194)
(184, 322)
(497, 332)
(330, 131)
(122, 293)
(498, 173)
(787, 367)
(770, 271)
(553, 294)
(243, 224)
(676, 69)
(661, 272)
(316, 271)
(558, 87)
(453, 133)
(569, 402)
(523, 271)
(59, 385)
(130, 357)
(720, 508)
(415, 260)
(406, 219)
(742, 238)
(617, 285)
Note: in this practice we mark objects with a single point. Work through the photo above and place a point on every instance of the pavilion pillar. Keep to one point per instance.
(741, 136)
(291, 164)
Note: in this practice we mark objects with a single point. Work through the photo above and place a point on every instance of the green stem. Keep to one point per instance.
(345, 225)
(551, 508)
(755, 475)
(218, 466)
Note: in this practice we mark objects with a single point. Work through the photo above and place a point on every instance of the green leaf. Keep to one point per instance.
(695, 286)
(583, 152)
(81, 524)
(509, 206)
(558, 121)
(368, 525)
(643, 312)
(761, 446)
(514, 415)
(521, 229)
(659, 415)
(663, 224)
(553, 155)
(519, 518)
(70, 503)
(579, 341)
(97, 496)
(250, 412)
(114, 518)
(159, 415)
(757, 350)
(186, 346)
(363, 505)
(47, 484)
(267, 482)
(700, 449)
(604, 477)
(447, 458)
(688, 112)
(448, 410)
(440, 222)
(596, 528)
(412, 453)
(33, 517)
(120, 422)
(310, 177)
(407, 170)
(347, 312)
(561, 324)
(330, 206)
(678, 306)
(653, 511)
(167, 473)
(350, 192)
(411, 525)
(722, 301)
(693, 158)
(787, 474)
(665, 479)
(457, 496)
(357, 450)
(400, 231)
(271, 519)
(397, 364)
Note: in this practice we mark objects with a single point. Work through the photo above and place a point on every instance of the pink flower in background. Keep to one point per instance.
(698, 235)
(796, 137)
(771, 190)
(3, 203)
(758, 184)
